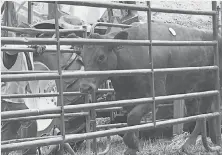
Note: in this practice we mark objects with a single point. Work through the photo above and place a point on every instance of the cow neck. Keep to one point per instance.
(49, 59)
(124, 86)
(117, 51)
(115, 79)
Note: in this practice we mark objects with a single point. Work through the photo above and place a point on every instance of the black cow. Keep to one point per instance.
(109, 57)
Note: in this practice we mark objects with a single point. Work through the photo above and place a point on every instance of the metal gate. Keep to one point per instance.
(88, 107)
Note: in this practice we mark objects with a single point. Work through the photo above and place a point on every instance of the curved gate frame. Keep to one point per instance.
(52, 75)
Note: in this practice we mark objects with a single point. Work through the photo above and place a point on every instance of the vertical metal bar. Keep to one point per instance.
(110, 14)
(151, 62)
(51, 13)
(29, 12)
(216, 62)
(6, 14)
(93, 121)
(62, 125)
(88, 146)
(221, 17)
(88, 118)
(85, 31)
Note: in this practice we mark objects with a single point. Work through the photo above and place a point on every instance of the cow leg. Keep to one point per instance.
(193, 136)
(134, 117)
(204, 106)
(212, 130)
(212, 125)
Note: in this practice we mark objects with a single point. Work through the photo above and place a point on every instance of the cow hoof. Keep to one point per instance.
(213, 148)
(130, 152)
(188, 145)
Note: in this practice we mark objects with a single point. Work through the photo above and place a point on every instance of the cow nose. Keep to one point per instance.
(84, 88)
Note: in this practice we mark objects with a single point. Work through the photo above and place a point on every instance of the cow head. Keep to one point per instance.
(99, 58)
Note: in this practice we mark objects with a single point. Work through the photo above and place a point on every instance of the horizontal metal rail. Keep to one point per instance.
(25, 139)
(99, 127)
(46, 31)
(42, 142)
(83, 41)
(97, 134)
(131, 7)
(109, 109)
(17, 49)
(108, 25)
(99, 105)
(88, 74)
(103, 5)
(165, 105)
(105, 90)
(77, 137)
(112, 25)
(183, 11)
(8, 96)
(49, 116)
(27, 72)
(119, 125)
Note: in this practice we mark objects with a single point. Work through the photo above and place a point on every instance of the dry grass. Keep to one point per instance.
(157, 147)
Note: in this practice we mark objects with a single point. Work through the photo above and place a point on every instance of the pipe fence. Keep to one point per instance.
(89, 108)
(82, 74)
(37, 31)
(119, 103)
(97, 134)
(82, 41)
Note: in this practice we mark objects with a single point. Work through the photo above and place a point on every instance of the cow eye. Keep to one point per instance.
(101, 58)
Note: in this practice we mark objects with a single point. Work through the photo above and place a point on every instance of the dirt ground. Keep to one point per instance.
(197, 21)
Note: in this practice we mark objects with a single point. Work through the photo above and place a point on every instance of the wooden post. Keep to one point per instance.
(178, 112)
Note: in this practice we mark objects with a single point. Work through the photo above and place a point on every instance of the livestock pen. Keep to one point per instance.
(92, 106)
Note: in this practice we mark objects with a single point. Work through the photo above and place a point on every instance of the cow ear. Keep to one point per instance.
(123, 35)
(75, 47)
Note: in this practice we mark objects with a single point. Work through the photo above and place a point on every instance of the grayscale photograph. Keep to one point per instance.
(109, 77)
